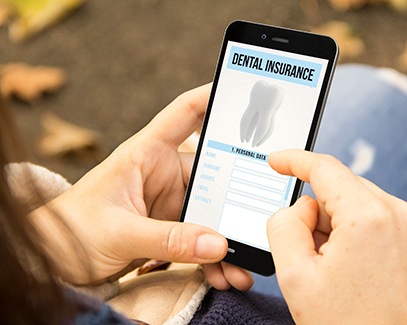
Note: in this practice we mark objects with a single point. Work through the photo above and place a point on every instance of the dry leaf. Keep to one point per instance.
(5, 13)
(345, 5)
(29, 83)
(398, 5)
(349, 44)
(61, 137)
(402, 60)
(32, 16)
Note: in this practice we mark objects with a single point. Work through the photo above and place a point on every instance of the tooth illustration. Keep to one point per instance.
(265, 99)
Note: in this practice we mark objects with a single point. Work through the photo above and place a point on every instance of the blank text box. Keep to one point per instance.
(261, 168)
(259, 180)
(253, 190)
(251, 202)
(244, 225)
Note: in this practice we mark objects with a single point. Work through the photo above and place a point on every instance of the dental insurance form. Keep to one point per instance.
(265, 101)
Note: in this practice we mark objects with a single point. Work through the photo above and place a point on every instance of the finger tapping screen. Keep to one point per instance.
(265, 101)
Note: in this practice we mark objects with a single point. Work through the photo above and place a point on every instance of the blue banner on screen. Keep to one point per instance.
(274, 66)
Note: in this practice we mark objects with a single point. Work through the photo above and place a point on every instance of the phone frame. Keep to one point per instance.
(286, 40)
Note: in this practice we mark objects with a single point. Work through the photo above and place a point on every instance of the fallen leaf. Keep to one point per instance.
(61, 137)
(5, 13)
(32, 16)
(346, 5)
(402, 60)
(28, 83)
(398, 5)
(349, 44)
(153, 266)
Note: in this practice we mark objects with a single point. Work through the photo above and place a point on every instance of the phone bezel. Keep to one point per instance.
(283, 39)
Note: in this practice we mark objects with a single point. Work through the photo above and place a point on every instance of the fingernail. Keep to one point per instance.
(303, 199)
(210, 247)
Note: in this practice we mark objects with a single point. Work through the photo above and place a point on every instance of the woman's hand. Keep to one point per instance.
(124, 210)
(341, 258)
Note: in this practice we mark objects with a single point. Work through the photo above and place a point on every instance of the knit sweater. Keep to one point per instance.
(236, 307)
(218, 307)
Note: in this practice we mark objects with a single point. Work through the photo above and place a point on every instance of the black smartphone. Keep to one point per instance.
(268, 94)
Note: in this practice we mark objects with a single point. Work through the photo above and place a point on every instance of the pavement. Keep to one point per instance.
(127, 59)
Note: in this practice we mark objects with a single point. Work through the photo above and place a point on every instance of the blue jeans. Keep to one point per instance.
(365, 126)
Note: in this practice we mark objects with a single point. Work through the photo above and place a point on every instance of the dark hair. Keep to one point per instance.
(25, 298)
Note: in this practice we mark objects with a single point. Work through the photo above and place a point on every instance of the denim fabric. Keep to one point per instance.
(365, 126)
(365, 119)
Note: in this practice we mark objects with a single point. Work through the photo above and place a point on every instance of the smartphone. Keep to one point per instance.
(268, 94)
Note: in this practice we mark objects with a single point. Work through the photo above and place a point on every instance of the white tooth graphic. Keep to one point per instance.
(265, 99)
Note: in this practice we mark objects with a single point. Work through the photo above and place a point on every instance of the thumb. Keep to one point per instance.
(179, 242)
(290, 234)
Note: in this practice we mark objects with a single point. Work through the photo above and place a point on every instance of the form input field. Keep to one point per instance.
(252, 202)
(260, 168)
(256, 191)
(259, 180)
(244, 225)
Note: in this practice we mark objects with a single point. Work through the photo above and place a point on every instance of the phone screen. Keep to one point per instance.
(264, 99)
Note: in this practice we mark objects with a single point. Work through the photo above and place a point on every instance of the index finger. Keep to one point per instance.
(331, 181)
(181, 117)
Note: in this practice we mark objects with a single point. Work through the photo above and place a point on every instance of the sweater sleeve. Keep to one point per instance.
(236, 307)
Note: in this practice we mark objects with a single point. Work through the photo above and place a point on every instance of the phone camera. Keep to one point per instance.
(263, 36)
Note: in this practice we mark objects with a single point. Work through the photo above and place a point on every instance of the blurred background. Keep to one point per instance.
(118, 63)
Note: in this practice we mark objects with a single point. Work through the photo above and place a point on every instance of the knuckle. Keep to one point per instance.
(176, 244)
(327, 160)
(187, 99)
(380, 217)
(376, 217)
(288, 278)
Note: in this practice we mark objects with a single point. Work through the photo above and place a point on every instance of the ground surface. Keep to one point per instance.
(127, 59)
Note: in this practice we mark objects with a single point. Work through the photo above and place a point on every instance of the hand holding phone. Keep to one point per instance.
(268, 94)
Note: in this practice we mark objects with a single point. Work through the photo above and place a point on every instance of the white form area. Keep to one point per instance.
(255, 192)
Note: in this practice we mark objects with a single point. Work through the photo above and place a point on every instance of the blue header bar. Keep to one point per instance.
(274, 66)
(237, 151)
